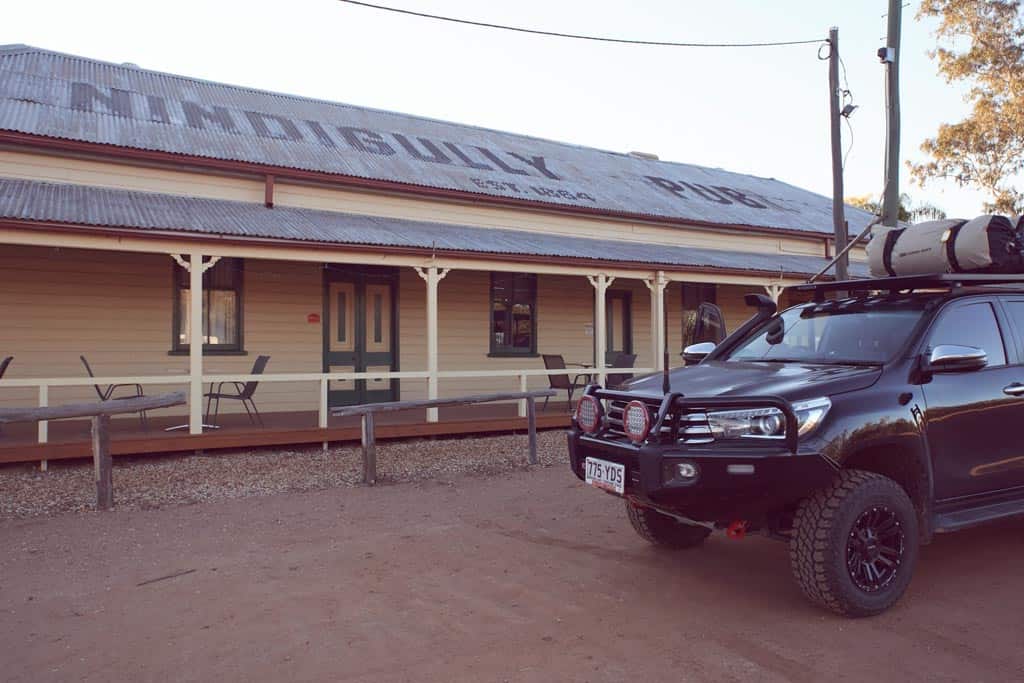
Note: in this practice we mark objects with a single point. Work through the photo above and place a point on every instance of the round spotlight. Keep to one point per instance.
(636, 421)
(588, 414)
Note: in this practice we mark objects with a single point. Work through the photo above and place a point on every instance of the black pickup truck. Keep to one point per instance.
(854, 428)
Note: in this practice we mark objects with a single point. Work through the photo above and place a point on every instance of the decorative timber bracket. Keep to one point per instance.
(659, 281)
(180, 260)
(424, 273)
(775, 291)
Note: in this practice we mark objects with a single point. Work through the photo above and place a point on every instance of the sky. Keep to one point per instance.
(762, 111)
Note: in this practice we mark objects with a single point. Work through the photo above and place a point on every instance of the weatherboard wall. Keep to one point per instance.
(116, 309)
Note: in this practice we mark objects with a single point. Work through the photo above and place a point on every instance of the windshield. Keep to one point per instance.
(867, 335)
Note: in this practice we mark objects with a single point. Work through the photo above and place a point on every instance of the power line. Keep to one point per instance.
(576, 36)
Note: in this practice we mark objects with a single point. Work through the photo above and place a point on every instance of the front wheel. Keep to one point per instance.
(854, 544)
(663, 530)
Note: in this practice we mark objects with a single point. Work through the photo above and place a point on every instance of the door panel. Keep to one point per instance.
(342, 328)
(970, 419)
(359, 333)
(378, 318)
(336, 386)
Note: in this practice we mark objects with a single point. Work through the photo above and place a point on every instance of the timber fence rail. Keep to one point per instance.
(368, 410)
(44, 384)
(99, 412)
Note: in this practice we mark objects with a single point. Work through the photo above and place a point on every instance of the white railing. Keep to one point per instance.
(43, 384)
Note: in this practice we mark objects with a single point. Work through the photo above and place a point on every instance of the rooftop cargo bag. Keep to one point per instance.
(986, 244)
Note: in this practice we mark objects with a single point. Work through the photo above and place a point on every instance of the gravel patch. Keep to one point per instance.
(159, 481)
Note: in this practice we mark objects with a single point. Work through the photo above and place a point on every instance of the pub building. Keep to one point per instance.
(175, 233)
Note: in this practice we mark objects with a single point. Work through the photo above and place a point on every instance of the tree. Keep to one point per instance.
(980, 43)
(908, 212)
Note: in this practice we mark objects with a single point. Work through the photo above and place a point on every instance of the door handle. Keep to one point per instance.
(1015, 389)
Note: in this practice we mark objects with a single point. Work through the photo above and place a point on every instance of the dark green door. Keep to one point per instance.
(360, 323)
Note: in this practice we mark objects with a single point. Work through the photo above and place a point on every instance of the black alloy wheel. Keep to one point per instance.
(855, 543)
(874, 551)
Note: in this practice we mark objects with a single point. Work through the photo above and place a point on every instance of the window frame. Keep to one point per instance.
(177, 286)
(506, 351)
(1003, 325)
(1016, 330)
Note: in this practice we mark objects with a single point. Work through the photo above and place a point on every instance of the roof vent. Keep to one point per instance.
(131, 65)
(644, 155)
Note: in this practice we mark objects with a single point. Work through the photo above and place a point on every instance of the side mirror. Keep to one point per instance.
(955, 358)
(695, 353)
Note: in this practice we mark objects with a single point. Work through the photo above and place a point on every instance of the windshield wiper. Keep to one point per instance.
(811, 361)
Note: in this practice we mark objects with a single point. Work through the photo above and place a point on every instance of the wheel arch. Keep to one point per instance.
(905, 463)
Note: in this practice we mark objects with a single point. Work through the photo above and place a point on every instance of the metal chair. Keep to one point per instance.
(243, 393)
(561, 382)
(107, 394)
(623, 360)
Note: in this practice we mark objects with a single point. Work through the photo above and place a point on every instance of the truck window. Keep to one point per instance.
(970, 325)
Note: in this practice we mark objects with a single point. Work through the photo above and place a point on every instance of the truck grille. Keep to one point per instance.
(691, 427)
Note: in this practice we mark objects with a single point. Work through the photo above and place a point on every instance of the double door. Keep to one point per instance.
(360, 323)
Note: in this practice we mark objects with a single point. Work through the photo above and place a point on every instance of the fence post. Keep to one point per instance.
(102, 465)
(369, 450)
(531, 426)
(522, 402)
(323, 408)
(44, 426)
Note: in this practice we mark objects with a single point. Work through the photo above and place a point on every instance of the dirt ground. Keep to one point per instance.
(524, 576)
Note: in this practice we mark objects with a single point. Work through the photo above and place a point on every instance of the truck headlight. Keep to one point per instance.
(767, 423)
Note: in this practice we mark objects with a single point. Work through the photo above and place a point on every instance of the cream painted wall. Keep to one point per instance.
(115, 308)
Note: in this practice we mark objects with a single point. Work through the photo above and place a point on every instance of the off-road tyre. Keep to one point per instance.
(828, 539)
(662, 530)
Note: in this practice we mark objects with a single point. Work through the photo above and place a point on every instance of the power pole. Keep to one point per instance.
(890, 56)
(838, 210)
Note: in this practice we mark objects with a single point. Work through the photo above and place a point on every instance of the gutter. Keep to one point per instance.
(424, 252)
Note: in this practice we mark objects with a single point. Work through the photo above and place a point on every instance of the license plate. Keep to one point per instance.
(610, 476)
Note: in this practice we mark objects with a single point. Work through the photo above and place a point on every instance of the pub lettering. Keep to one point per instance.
(128, 104)
(87, 97)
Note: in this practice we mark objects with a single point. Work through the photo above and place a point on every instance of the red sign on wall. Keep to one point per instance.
(313, 318)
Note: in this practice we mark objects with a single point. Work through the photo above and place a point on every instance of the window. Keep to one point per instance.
(513, 314)
(971, 325)
(694, 294)
(222, 307)
(1015, 308)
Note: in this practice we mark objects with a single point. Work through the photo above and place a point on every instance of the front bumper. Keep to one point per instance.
(779, 478)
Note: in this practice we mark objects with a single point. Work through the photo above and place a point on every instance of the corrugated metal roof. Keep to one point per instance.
(93, 206)
(75, 98)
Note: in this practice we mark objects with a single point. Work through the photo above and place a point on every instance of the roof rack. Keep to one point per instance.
(909, 283)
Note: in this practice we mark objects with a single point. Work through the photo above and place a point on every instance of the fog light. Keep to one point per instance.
(687, 471)
(680, 471)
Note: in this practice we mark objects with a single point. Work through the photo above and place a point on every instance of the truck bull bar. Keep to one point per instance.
(672, 405)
